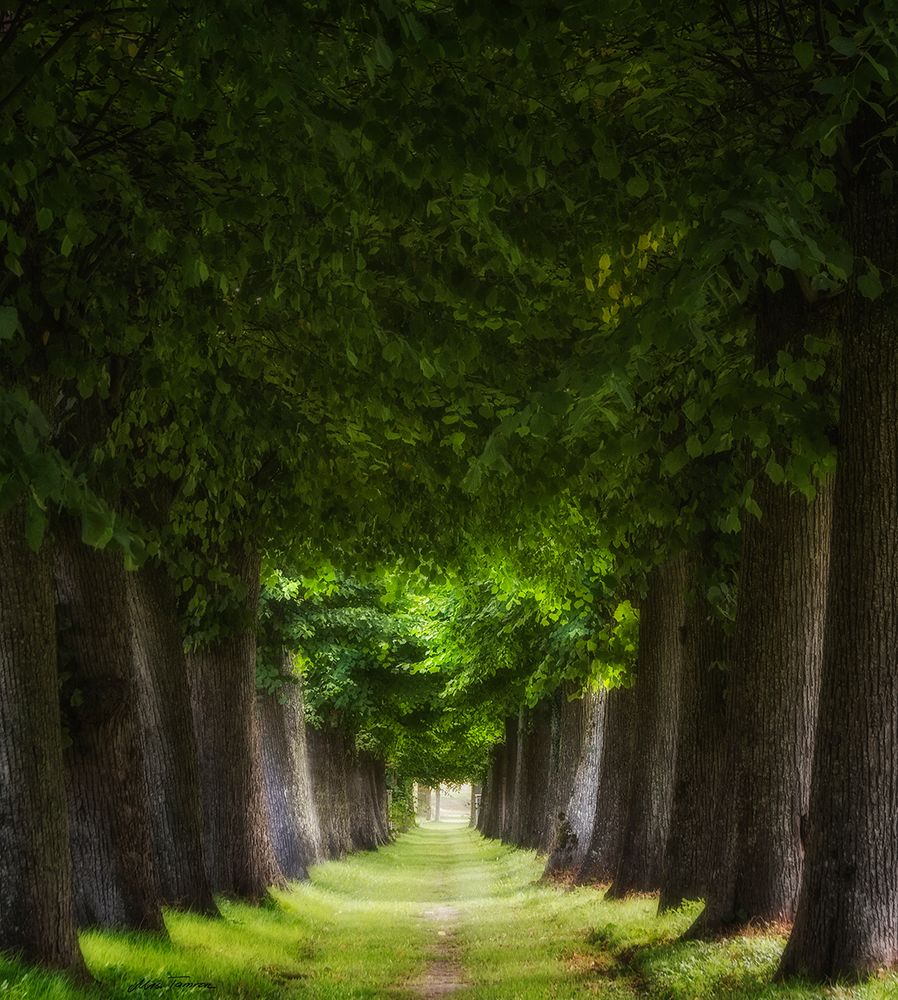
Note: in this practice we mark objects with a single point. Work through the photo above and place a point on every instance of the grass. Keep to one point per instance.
(355, 931)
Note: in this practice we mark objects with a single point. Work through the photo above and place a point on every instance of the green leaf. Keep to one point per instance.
(775, 471)
(804, 54)
(785, 256)
(97, 526)
(844, 46)
(383, 53)
(9, 322)
(869, 284)
(637, 186)
(44, 218)
(35, 524)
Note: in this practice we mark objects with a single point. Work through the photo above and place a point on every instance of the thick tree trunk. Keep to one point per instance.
(773, 692)
(37, 912)
(488, 821)
(847, 919)
(582, 733)
(328, 760)
(693, 843)
(381, 800)
(116, 883)
(170, 754)
(425, 800)
(532, 776)
(658, 670)
(293, 823)
(509, 773)
(239, 855)
(559, 773)
(618, 744)
(366, 812)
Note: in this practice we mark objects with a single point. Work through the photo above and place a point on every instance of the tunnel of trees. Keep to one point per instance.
(408, 392)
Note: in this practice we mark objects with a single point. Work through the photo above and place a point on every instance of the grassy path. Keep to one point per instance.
(441, 912)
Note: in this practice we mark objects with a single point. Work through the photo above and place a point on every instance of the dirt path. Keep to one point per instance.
(444, 975)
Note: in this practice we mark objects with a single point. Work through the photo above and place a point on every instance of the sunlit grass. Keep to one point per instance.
(523, 940)
(356, 931)
(353, 931)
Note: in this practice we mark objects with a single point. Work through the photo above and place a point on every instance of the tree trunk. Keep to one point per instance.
(116, 883)
(488, 820)
(773, 692)
(381, 800)
(367, 827)
(425, 793)
(582, 733)
(37, 911)
(170, 754)
(329, 765)
(559, 773)
(475, 812)
(618, 744)
(436, 804)
(847, 919)
(531, 776)
(658, 670)
(293, 823)
(693, 843)
(509, 774)
(239, 855)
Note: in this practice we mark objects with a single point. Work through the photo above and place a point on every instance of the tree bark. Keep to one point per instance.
(116, 882)
(773, 692)
(37, 910)
(847, 919)
(488, 820)
(693, 843)
(658, 670)
(436, 804)
(509, 774)
(531, 776)
(170, 754)
(618, 744)
(366, 812)
(474, 815)
(293, 824)
(239, 854)
(582, 732)
(328, 760)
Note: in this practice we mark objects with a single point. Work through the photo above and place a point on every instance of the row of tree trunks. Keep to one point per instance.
(149, 788)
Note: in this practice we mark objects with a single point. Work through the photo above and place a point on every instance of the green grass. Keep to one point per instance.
(356, 931)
